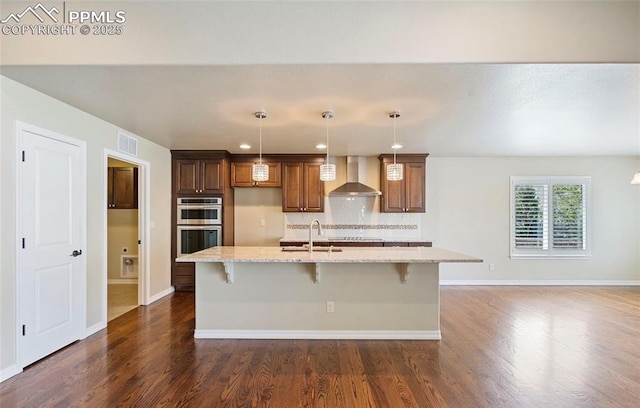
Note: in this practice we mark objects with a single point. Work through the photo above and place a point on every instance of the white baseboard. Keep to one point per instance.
(320, 334)
(122, 281)
(162, 294)
(9, 372)
(540, 282)
(94, 329)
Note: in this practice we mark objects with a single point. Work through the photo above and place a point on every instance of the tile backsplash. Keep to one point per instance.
(354, 217)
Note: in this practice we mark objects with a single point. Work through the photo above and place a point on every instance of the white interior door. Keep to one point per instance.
(52, 266)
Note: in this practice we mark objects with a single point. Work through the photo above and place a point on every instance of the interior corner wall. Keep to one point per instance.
(20, 103)
(468, 211)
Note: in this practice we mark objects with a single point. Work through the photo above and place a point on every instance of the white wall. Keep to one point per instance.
(253, 204)
(20, 103)
(468, 211)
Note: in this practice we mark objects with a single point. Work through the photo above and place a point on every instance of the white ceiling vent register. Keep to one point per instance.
(127, 144)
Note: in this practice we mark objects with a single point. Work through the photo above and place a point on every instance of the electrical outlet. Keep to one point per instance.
(125, 250)
(331, 307)
(492, 267)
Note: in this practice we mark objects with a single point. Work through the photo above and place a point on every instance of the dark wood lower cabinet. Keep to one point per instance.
(408, 244)
(184, 276)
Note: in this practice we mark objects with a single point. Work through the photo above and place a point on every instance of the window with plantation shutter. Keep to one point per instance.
(549, 217)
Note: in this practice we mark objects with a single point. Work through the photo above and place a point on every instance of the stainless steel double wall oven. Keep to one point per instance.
(199, 224)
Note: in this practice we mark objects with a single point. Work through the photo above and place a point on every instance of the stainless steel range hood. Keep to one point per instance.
(353, 186)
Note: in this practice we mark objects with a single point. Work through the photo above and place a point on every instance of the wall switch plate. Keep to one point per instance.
(492, 267)
(262, 223)
(331, 307)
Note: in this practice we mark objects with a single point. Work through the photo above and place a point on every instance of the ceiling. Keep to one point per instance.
(446, 109)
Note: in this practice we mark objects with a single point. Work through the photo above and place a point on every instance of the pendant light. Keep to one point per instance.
(327, 171)
(260, 171)
(636, 178)
(395, 170)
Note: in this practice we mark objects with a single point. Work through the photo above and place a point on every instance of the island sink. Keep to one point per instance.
(315, 249)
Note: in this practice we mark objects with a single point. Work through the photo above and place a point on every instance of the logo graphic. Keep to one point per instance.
(33, 10)
(43, 20)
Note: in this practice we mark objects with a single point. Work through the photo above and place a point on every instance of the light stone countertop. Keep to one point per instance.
(348, 255)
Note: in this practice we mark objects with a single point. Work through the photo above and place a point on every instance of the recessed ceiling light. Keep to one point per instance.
(321, 146)
(396, 146)
(245, 146)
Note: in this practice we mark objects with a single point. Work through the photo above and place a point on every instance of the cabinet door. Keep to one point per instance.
(393, 193)
(124, 189)
(396, 244)
(187, 177)
(415, 187)
(211, 177)
(275, 173)
(313, 188)
(292, 187)
(241, 175)
(421, 244)
(110, 187)
(184, 276)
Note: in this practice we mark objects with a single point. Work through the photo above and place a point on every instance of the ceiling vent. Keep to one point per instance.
(127, 144)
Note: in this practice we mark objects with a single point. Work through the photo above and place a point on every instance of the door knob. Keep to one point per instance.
(76, 252)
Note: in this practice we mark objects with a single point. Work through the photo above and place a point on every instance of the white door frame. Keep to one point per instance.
(82, 145)
(144, 266)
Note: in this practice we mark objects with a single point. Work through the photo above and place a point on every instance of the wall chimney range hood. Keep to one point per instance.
(354, 187)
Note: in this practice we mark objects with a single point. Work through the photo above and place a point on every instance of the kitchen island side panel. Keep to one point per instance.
(282, 297)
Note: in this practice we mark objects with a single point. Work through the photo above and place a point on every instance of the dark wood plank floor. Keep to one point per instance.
(502, 347)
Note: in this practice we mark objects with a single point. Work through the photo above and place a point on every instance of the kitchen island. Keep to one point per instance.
(356, 293)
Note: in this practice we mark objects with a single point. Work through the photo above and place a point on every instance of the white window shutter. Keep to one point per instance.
(549, 217)
(531, 216)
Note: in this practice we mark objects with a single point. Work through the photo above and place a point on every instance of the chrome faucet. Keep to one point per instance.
(315, 220)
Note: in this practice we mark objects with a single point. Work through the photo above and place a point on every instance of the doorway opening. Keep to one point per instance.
(122, 238)
(125, 276)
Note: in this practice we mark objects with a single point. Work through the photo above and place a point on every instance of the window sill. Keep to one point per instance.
(531, 256)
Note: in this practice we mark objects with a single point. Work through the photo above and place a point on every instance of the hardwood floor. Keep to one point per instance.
(502, 347)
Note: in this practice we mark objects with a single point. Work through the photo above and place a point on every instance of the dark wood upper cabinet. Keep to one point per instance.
(302, 189)
(194, 177)
(122, 188)
(211, 177)
(241, 174)
(186, 176)
(406, 195)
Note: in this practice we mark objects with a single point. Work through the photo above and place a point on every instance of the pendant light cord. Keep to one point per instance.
(326, 121)
(394, 139)
(260, 159)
